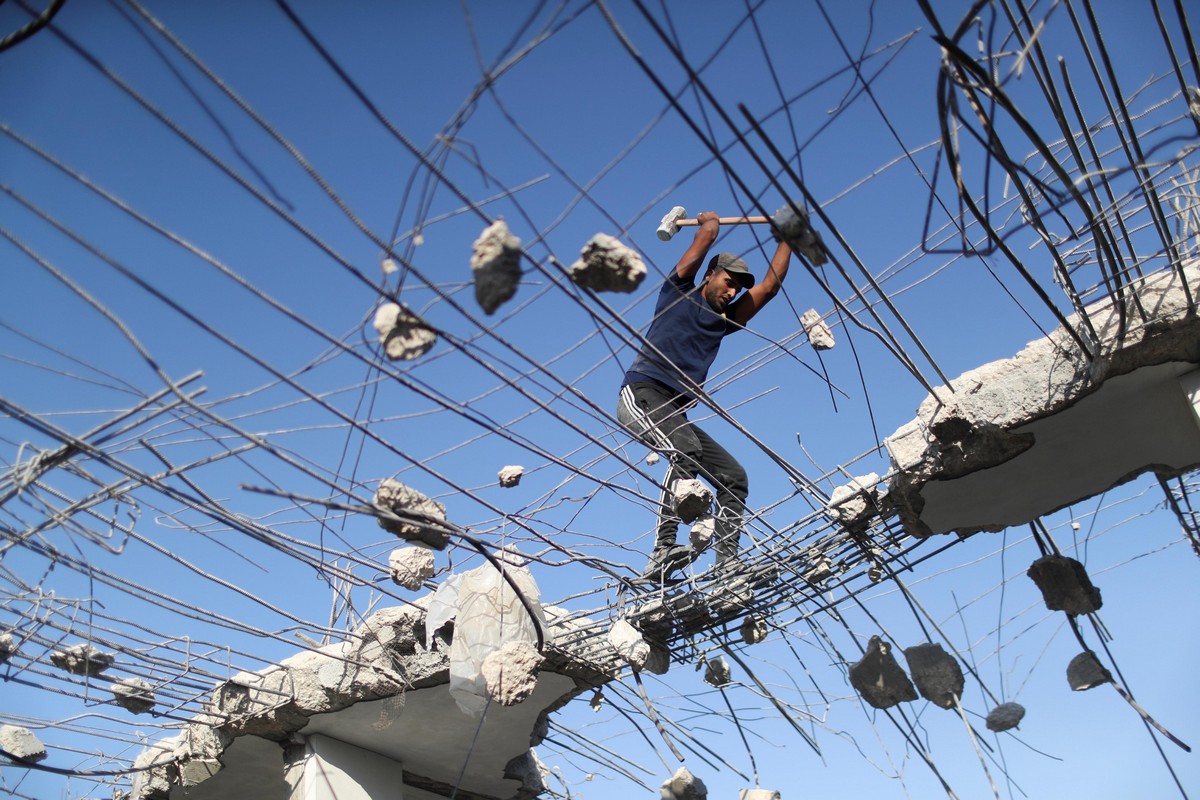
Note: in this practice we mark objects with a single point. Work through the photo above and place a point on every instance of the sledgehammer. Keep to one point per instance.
(674, 220)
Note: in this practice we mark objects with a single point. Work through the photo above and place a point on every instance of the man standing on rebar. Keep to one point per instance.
(689, 325)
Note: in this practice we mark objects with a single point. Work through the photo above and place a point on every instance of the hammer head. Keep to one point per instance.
(670, 223)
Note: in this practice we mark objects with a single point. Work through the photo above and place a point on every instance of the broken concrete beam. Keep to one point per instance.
(683, 785)
(879, 679)
(510, 476)
(82, 659)
(936, 673)
(1065, 584)
(410, 567)
(703, 531)
(717, 672)
(8, 647)
(753, 630)
(793, 227)
(1085, 672)
(186, 760)
(1005, 717)
(510, 673)
(402, 333)
(133, 695)
(419, 515)
(21, 743)
(606, 265)
(692, 499)
(496, 265)
(819, 335)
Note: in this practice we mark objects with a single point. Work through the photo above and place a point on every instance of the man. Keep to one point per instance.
(689, 324)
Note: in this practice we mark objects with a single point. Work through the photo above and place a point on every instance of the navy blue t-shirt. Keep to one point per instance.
(686, 331)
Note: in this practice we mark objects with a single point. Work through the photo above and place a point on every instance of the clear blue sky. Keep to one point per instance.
(575, 139)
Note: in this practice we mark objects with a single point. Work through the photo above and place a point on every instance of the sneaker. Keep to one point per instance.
(666, 559)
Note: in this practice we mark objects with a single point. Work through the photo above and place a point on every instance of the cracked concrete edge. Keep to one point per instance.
(959, 432)
(383, 658)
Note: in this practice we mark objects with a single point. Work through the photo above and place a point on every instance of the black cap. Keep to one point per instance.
(734, 266)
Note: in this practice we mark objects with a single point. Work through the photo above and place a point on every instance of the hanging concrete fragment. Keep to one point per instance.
(692, 499)
(410, 567)
(759, 794)
(703, 531)
(1065, 585)
(652, 458)
(794, 228)
(402, 333)
(22, 743)
(820, 569)
(936, 673)
(819, 334)
(753, 630)
(1005, 717)
(8, 647)
(510, 476)
(683, 785)
(496, 264)
(510, 673)
(716, 672)
(629, 643)
(659, 660)
(879, 679)
(1085, 672)
(606, 265)
(82, 659)
(855, 502)
(419, 515)
(133, 695)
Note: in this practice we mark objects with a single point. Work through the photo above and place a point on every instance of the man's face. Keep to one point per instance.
(720, 288)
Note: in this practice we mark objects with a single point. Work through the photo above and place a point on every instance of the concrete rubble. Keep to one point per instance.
(420, 514)
(21, 743)
(134, 695)
(1085, 672)
(1005, 716)
(702, 533)
(8, 647)
(1064, 584)
(403, 334)
(936, 673)
(510, 476)
(410, 567)
(753, 630)
(855, 503)
(797, 231)
(683, 785)
(510, 673)
(629, 643)
(819, 334)
(878, 677)
(606, 265)
(979, 457)
(82, 659)
(496, 265)
(692, 499)
(717, 672)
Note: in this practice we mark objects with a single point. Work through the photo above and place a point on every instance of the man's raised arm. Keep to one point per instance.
(761, 293)
(706, 233)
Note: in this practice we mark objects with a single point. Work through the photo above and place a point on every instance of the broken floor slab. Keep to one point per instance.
(1019, 438)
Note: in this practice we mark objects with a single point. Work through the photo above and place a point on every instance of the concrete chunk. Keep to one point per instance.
(1085, 672)
(22, 743)
(795, 229)
(683, 785)
(692, 499)
(819, 335)
(8, 647)
(510, 476)
(629, 644)
(1065, 585)
(606, 265)
(402, 333)
(510, 673)
(410, 567)
(82, 659)
(759, 794)
(703, 531)
(936, 673)
(134, 695)
(753, 630)
(421, 514)
(879, 679)
(856, 501)
(717, 672)
(496, 265)
(1005, 717)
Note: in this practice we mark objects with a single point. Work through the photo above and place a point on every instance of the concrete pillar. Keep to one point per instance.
(329, 769)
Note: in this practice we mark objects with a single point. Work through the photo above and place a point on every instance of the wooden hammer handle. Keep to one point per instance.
(726, 221)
